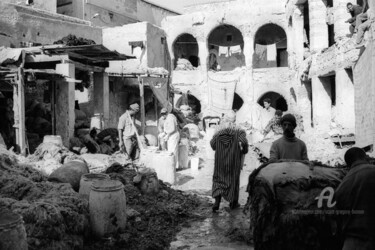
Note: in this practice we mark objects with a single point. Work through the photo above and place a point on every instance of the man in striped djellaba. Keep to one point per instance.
(230, 145)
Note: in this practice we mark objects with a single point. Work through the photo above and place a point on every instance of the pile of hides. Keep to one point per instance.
(284, 211)
(49, 156)
(98, 163)
(184, 64)
(72, 40)
(153, 220)
(54, 215)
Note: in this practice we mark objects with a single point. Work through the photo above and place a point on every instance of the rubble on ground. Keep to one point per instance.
(184, 64)
(57, 218)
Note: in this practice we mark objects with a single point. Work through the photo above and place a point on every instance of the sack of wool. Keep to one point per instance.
(284, 210)
(71, 172)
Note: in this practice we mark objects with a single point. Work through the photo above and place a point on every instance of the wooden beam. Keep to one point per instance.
(86, 67)
(21, 112)
(37, 58)
(143, 113)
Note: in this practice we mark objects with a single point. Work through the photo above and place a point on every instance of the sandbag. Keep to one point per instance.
(97, 163)
(70, 172)
(284, 211)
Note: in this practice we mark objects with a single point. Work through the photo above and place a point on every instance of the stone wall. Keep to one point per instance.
(24, 24)
(49, 5)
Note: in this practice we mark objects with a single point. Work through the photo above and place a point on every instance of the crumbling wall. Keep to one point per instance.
(24, 24)
(151, 13)
(247, 17)
(364, 77)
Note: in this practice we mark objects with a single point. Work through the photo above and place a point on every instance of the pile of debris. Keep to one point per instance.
(57, 218)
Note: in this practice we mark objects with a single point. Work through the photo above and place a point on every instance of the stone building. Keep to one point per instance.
(244, 51)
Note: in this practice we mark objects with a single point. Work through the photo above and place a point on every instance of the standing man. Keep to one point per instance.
(172, 136)
(355, 195)
(127, 132)
(163, 117)
(288, 147)
(354, 11)
(230, 145)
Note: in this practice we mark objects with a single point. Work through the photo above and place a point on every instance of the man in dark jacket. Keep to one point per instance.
(354, 11)
(355, 195)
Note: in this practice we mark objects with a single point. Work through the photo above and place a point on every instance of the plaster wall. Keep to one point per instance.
(153, 54)
(49, 5)
(364, 97)
(153, 14)
(23, 24)
(248, 17)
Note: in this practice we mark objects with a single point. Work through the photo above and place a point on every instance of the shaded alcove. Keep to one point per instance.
(270, 47)
(191, 101)
(237, 102)
(186, 47)
(225, 45)
(277, 100)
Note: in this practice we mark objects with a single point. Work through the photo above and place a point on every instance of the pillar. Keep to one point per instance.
(340, 16)
(101, 95)
(65, 102)
(203, 55)
(248, 51)
(298, 30)
(345, 100)
(321, 104)
(318, 25)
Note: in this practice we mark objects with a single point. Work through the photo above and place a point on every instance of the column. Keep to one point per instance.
(101, 95)
(321, 104)
(248, 51)
(340, 16)
(203, 55)
(345, 100)
(298, 29)
(65, 98)
(318, 25)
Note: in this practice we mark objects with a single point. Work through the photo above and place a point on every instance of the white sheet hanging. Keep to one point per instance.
(271, 52)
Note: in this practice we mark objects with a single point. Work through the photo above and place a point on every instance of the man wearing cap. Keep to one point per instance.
(127, 131)
(288, 147)
(355, 201)
(162, 134)
(230, 145)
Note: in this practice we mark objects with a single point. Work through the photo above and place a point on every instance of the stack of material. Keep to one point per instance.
(54, 215)
(285, 213)
(50, 156)
(184, 64)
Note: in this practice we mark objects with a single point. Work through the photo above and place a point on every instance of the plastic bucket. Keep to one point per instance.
(12, 232)
(86, 182)
(55, 139)
(107, 205)
(194, 164)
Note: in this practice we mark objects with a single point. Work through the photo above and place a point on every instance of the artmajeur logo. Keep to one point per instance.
(326, 194)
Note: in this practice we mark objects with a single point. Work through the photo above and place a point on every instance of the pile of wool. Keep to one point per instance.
(54, 215)
(49, 156)
(284, 211)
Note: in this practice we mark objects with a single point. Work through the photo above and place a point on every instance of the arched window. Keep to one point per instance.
(225, 45)
(270, 47)
(277, 100)
(186, 52)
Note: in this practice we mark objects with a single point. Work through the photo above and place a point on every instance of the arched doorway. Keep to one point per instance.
(270, 47)
(191, 101)
(185, 48)
(277, 101)
(225, 45)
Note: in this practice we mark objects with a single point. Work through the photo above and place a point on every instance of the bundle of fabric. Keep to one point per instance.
(54, 215)
(284, 210)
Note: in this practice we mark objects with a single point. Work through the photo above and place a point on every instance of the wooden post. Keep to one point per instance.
(53, 105)
(16, 110)
(143, 112)
(21, 111)
(156, 110)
